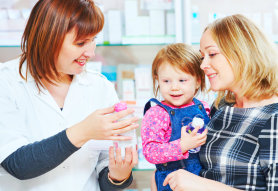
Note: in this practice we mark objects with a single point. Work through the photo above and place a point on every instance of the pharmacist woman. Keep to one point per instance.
(52, 119)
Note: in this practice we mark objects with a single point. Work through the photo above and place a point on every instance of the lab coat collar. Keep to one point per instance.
(28, 75)
(83, 78)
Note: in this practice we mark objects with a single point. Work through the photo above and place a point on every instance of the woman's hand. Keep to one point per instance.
(192, 140)
(182, 180)
(120, 169)
(102, 124)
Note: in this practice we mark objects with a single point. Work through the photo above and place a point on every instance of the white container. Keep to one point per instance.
(196, 122)
(132, 133)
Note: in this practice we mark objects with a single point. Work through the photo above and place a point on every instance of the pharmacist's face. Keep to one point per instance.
(175, 86)
(215, 65)
(74, 55)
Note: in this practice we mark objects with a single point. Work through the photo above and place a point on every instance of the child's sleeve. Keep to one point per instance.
(156, 133)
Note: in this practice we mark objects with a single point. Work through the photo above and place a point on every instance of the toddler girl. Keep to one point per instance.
(177, 77)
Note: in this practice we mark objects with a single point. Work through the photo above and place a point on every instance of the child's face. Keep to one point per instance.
(176, 87)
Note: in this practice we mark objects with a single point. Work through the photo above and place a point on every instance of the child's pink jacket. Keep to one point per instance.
(156, 133)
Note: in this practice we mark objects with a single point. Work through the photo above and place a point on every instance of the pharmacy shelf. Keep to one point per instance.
(105, 45)
(140, 169)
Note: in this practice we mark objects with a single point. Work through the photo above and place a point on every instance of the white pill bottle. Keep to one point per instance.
(132, 133)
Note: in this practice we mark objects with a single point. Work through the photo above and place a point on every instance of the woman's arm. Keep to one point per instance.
(102, 124)
(37, 158)
(40, 157)
(182, 180)
(18, 157)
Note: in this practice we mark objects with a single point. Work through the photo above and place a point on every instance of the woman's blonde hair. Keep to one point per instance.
(181, 56)
(252, 56)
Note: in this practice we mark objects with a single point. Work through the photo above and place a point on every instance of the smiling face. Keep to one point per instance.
(215, 65)
(74, 54)
(175, 86)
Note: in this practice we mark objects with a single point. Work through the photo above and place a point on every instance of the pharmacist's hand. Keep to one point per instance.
(120, 169)
(182, 180)
(192, 140)
(102, 125)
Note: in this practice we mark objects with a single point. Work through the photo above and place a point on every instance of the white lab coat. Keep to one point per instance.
(27, 116)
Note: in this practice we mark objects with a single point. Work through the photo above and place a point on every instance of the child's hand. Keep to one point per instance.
(192, 140)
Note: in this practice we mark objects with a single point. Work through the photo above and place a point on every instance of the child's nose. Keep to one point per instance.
(175, 86)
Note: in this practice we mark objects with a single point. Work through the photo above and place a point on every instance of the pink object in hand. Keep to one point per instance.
(120, 106)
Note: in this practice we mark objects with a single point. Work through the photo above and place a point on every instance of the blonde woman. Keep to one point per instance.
(241, 150)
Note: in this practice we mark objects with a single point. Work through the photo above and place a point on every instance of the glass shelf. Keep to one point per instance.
(106, 45)
(140, 169)
(114, 45)
(156, 44)
(9, 46)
